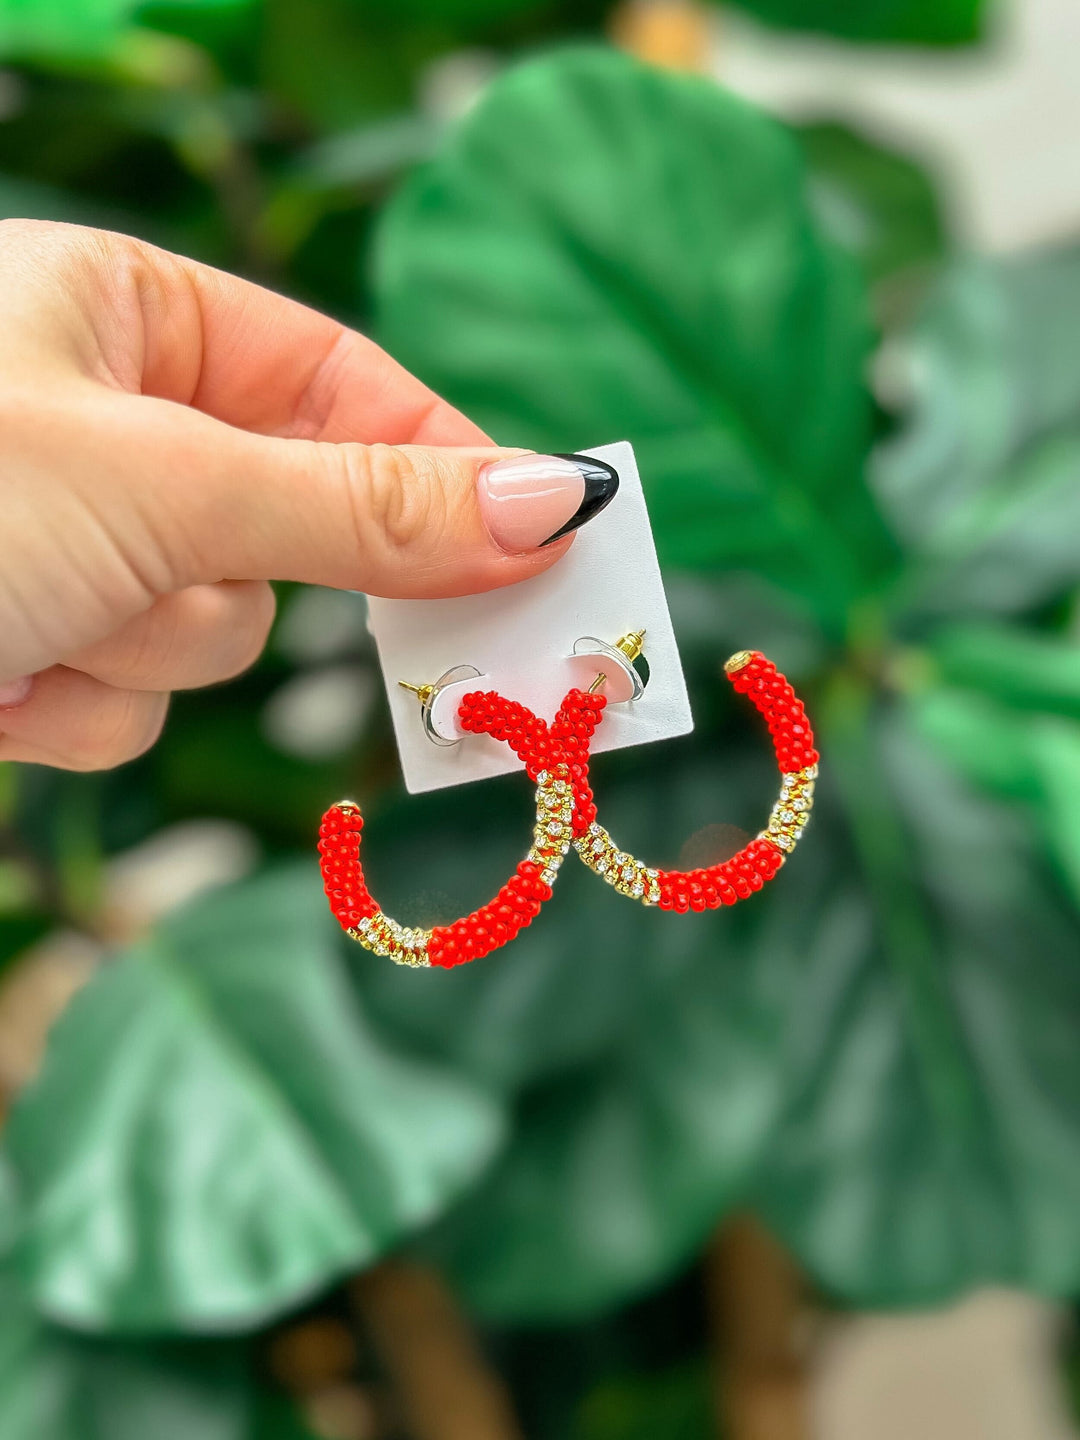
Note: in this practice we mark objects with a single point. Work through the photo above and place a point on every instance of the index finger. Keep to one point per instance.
(176, 329)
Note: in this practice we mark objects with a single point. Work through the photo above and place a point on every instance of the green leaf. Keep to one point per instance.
(57, 1386)
(984, 481)
(616, 1174)
(904, 22)
(653, 272)
(339, 62)
(877, 202)
(68, 28)
(981, 738)
(74, 30)
(217, 1133)
(1034, 758)
(1022, 667)
(931, 1139)
(1056, 751)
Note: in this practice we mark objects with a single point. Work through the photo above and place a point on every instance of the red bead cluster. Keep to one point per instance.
(514, 907)
(735, 879)
(561, 748)
(343, 875)
(767, 689)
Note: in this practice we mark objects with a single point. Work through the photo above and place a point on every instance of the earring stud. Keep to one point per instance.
(428, 696)
(625, 671)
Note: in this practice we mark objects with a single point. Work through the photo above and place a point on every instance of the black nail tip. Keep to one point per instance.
(601, 487)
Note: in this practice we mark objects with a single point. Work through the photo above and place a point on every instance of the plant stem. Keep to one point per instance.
(757, 1309)
(446, 1387)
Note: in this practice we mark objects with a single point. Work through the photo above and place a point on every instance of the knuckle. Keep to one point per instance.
(395, 492)
(152, 647)
(248, 633)
(122, 729)
(199, 636)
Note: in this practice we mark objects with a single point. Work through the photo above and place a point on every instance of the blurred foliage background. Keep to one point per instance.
(262, 1188)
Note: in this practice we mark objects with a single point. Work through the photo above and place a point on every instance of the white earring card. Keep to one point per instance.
(521, 640)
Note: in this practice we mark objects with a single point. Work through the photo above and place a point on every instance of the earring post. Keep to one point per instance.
(422, 692)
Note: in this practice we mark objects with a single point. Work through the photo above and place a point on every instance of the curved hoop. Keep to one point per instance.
(756, 863)
(554, 760)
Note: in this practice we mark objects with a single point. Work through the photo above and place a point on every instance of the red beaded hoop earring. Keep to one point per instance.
(735, 879)
(556, 761)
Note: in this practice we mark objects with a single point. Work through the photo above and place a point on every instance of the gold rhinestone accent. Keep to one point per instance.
(791, 812)
(404, 944)
(622, 872)
(554, 830)
(738, 661)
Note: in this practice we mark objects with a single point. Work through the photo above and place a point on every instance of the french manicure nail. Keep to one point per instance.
(14, 692)
(528, 501)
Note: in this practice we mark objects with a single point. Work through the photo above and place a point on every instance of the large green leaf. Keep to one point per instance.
(932, 1139)
(608, 250)
(619, 1170)
(906, 22)
(57, 1386)
(217, 1131)
(984, 480)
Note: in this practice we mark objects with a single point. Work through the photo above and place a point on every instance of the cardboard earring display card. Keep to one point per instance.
(521, 640)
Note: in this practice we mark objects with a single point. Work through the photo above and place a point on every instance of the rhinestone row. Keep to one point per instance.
(791, 812)
(628, 876)
(381, 935)
(554, 828)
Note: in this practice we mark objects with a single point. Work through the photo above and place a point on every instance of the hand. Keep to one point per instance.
(171, 439)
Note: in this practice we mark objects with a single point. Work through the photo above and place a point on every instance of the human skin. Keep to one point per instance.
(172, 438)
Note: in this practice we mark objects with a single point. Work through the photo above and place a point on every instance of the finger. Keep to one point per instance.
(74, 722)
(198, 636)
(158, 324)
(404, 521)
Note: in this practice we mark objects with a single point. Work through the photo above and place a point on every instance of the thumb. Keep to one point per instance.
(395, 520)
